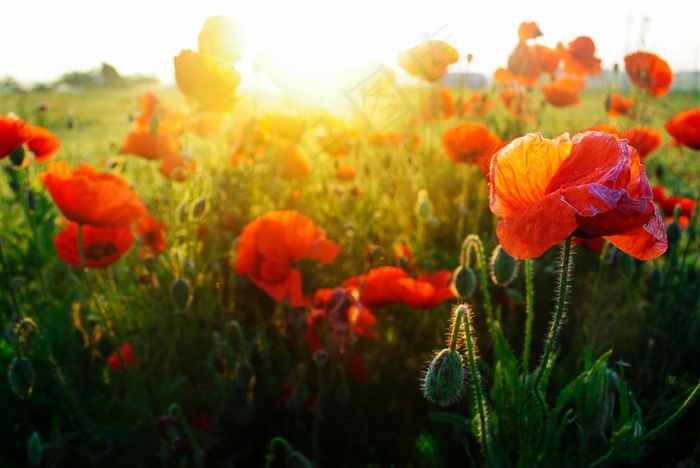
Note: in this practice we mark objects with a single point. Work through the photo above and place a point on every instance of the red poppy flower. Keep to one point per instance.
(175, 167)
(471, 143)
(687, 206)
(102, 246)
(649, 72)
(15, 133)
(579, 58)
(528, 31)
(88, 196)
(114, 363)
(563, 91)
(428, 60)
(617, 105)
(208, 82)
(268, 246)
(387, 286)
(593, 185)
(547, 58)
(514, 100)
(150, 145)
(150, 230)
(292, 163)
(523, 62)
(684, 127)
(644, 139)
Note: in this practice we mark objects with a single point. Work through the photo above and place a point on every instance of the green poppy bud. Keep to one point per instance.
(673, 233)
(34, 448)
(655, 279)
(180, 293)
(199, 207)
(463, 282)
(17, 156)
(21, 377)
(504, 268)
(444, 380)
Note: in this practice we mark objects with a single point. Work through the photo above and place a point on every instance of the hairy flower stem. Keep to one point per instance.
(558, 313)
(476, 376)
(456, 327)
(529, 314)
(473, 243)
(271, 450)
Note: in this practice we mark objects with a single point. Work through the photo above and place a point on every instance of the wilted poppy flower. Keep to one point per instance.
(579, 58)
(684, 127)
(644, 139)
(268, 246)
(593, 185)
(114, 362)
(206, 81)
(471, 143)
(15, 134)
(387, 286)
(428, 60)
(563, 91)
(102, 246)
(528, 30)
(222, 37)
(649, 72)
(292, 163)
(87, 196)
(617, 105)
(150, 145)
(150, 230)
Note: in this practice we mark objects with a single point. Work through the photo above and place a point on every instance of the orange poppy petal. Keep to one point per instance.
(42, 143)
(644, 243)
(684, 127)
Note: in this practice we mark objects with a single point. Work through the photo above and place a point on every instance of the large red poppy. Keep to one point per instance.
(102, 246)
(387, 286)
(684, 127)
(593, 185)
(269, 245)
(14, 133)
(649, 72)
(87, 196)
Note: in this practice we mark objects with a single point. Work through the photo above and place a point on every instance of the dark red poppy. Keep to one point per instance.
(87, 196)
(102, 246)
(593, 185)
(128, 360)
(649, 72)
(686, 206)
(684, 127)
(269, 246)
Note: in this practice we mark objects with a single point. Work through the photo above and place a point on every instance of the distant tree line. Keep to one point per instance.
(106, 77)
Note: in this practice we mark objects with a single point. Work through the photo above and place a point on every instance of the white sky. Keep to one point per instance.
(40, 40)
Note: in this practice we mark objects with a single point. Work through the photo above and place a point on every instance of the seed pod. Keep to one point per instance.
(463, 282)
(21, 377)
(444, 380)
(180, 293)
(199, 207)
(504, 268)
(673, 233)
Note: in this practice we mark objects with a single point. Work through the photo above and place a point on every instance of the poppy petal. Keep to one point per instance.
(644, 243)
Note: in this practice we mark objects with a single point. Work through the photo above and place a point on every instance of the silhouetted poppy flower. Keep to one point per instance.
(528, 30)
(206, 81)
(102, 246)
(15, 133)
(644, 139)
(471, 143)
(617, 105)
(428, 60)
(387, 286)
(292, 163)
(151, 231)
(593, 185)
(269, 245)
(114, 363)
(684, 127)
(563, 91)
(87, 196)
(649, 72)
(579, 58)
(149, 145)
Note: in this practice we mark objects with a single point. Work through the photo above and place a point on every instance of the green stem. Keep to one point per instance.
(8, 281)
(472, 242)
(476, 376)
(558, 313)
(686, 404)
(529, 314)
(599, 273)
(456, 328)
(271, 450)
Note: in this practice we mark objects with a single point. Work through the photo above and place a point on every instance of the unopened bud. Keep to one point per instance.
(656, 278)
(463, 282)
(423, 208)
(504, 268)
(627, 264)
(34, 448)
(20, 374)
(199, 207)
(673, 233)
(444, 380)
(180, 293)
(17, 156)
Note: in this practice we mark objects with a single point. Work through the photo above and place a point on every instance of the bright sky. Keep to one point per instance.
(40, 40)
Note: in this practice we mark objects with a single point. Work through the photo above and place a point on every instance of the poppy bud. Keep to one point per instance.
(444, 380)
(655, 279)
(21, 377)
(627, 264)
(504, 268)
(34, 448)
(423, 208)
(673, 233)
(432, 221)
(199, 207)
(180, 293)
(17, 156)
(470, 57)
(463, 282)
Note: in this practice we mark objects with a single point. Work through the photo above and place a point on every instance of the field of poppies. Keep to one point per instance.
(509, 276)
